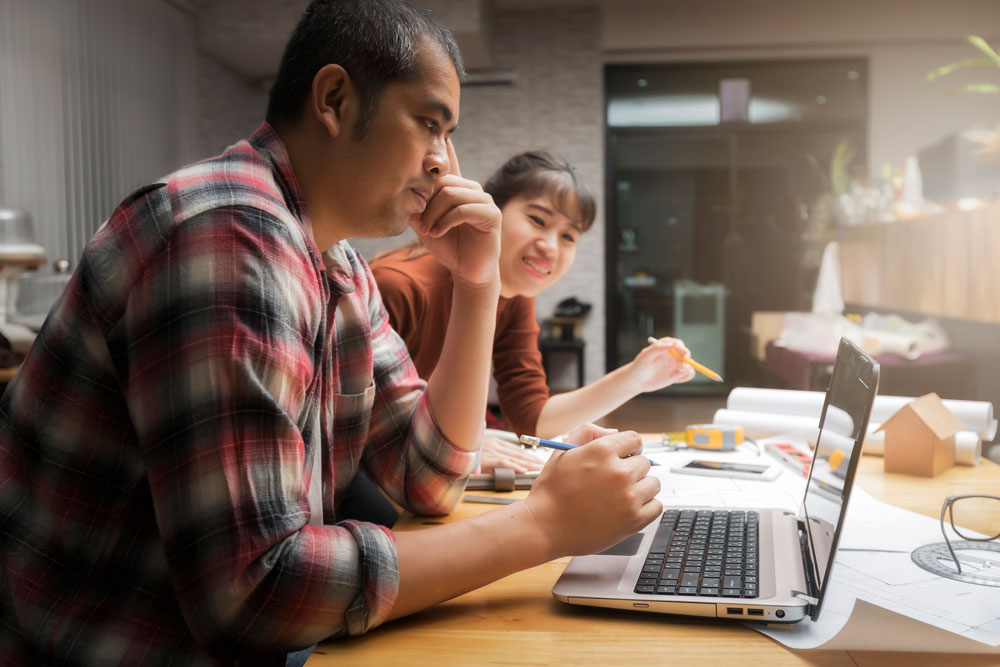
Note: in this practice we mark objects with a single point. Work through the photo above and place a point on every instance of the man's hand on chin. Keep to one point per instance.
(461, 228)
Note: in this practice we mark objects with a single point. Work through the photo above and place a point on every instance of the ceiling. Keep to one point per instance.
(248, 36)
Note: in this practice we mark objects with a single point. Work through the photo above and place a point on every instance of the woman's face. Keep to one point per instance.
(537, 245)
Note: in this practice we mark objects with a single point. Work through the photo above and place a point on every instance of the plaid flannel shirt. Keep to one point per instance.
(156, 445)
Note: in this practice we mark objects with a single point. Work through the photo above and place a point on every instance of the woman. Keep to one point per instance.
(545, 209)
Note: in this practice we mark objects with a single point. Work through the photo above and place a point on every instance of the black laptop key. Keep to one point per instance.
(690, 579)
(731, 582)
(661, 540)
(730, 592)
(687, 590)
(666, 590)
(709, 590)
(645, 589)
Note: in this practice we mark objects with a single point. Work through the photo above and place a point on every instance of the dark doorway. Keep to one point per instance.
(704, 212)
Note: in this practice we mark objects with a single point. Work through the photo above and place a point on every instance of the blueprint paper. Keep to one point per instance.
(879, 600)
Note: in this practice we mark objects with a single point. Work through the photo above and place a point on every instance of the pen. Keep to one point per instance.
(532, 441)
(704, 370)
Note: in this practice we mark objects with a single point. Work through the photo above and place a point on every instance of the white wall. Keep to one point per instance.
(96, 99)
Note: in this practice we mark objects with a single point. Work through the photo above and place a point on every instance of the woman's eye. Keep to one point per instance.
(431, 124)
(570, 238)
(538, 221)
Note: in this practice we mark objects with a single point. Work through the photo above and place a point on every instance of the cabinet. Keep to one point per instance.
(945, 265)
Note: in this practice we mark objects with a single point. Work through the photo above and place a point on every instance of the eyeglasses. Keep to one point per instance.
(974, 512)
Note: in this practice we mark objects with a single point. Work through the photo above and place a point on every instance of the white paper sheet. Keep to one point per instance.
(878, 599)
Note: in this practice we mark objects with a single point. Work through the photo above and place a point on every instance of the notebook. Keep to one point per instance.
(758, 564)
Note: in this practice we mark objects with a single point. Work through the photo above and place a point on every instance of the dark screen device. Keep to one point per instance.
(738, 469)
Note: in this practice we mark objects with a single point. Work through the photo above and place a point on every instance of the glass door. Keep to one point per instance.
(711, 198)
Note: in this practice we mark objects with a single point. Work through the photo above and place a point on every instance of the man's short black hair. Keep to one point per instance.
(375, 41)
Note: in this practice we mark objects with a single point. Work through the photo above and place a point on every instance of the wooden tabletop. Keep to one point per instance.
(516, 621)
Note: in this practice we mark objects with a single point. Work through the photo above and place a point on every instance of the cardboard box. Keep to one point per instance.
(920, 438)
(765, 326)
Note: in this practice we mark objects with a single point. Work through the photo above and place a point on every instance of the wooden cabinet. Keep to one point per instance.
(946, 264)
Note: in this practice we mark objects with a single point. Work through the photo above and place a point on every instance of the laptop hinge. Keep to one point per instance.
(808, 598)
(811, 595)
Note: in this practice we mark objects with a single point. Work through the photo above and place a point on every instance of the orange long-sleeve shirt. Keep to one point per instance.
(417, 293)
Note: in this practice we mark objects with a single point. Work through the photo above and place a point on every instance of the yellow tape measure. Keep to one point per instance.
(719, 437)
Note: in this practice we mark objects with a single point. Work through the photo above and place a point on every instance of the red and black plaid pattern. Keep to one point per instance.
(157, 443)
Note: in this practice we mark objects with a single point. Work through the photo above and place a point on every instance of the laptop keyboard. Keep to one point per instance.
(703, 553)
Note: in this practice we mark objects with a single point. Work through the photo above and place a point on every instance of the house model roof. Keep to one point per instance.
(932, 412)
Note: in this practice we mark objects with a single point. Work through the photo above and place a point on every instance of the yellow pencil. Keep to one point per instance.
(704, 370)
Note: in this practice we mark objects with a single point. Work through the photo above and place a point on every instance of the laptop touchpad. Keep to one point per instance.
(627, 547)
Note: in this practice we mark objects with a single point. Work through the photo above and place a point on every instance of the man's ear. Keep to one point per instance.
(333, 96)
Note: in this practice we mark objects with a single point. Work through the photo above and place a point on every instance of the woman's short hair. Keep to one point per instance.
(538, 173)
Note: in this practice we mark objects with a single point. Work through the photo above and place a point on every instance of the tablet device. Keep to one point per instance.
(739, 469)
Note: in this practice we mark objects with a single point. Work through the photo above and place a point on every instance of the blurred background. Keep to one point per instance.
(728, 142)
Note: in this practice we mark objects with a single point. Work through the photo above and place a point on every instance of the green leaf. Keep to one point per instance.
(977, 88)
(965, 62)
(840, 162)
(814, 163)
(981, 44)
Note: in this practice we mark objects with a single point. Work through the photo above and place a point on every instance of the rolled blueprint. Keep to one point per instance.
(765, 425)
(975, 415)
(968, 445)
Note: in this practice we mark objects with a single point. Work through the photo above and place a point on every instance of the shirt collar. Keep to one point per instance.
(268, 143)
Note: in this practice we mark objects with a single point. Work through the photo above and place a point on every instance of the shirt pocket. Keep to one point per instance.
(352, 414)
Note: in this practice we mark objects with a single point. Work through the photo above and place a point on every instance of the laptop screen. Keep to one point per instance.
(842, 428)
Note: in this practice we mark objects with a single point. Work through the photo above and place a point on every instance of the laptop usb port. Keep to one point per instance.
(755, 612)
(734, 610)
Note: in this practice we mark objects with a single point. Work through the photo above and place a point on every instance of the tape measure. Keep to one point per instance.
(720, 437)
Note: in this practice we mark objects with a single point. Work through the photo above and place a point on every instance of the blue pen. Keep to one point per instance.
(532, 441)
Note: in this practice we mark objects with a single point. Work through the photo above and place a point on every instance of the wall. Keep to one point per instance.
(556, 103)
(230, 106)
(95, 100)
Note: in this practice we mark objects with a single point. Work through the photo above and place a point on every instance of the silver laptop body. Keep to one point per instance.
(795, 551)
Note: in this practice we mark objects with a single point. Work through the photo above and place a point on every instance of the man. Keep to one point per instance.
(174, 448)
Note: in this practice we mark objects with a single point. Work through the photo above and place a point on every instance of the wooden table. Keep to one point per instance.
(515, 621)
(7, 374)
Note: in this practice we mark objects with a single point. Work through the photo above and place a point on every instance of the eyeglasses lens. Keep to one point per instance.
(976, 517)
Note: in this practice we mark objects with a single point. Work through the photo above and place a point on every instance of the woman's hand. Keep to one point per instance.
(655, 367)
(498, 453)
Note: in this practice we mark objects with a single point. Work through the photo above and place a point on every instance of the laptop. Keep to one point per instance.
(757, 564)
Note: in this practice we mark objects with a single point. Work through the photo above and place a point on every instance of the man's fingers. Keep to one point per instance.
(453, 192)
(453, 168)
(584, 433)
(639, 465)
(626, 443)
(480, 215)
(647, 488)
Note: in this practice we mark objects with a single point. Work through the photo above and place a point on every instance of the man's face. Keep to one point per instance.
(404, 151)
